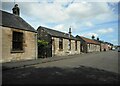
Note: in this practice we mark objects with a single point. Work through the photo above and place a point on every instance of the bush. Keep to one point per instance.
(42, 46)
(42, 43)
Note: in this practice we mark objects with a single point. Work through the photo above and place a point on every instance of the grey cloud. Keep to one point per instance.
(7, 6)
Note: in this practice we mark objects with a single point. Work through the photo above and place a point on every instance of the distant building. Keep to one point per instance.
(19, 39)
(102, 45)
(88, 45)
(109, 46)
(60, 44)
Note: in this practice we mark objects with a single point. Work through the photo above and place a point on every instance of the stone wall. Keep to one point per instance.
(102, 47)
(65, 51)
(106, 47)
(29, 45)
(93, 47)
(0, 43)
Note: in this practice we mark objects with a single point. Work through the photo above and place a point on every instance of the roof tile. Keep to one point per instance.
(89, 40)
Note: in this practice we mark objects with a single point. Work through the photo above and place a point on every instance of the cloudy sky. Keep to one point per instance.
(86, 17)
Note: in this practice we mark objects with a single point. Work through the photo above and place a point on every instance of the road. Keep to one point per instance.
(101, 67)
(105, 60)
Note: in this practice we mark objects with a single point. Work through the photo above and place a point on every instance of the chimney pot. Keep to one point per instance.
(70, 32)
(16, 10)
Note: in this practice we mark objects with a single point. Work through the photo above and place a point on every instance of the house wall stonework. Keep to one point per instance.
(102, 46)
(93, 47)
(29, 45)
(65, 51)
(106, 47)
(0, 44)
(73, 51)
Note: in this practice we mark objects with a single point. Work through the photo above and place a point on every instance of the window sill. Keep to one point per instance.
(17, 51)
(60, 49)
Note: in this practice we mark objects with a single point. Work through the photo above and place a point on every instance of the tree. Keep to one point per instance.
(42, 46)
(42, 43)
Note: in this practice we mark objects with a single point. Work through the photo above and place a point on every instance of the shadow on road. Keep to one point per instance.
(55, 75)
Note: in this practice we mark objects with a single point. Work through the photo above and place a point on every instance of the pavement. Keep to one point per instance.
(18, 64)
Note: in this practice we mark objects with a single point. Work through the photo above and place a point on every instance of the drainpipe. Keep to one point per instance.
(36, 44)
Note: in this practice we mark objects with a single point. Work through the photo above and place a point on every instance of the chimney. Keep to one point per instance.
(97, 38)
(93, 37)
(70, 31)
(16, 10)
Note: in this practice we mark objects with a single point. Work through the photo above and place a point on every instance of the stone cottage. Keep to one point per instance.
(18, 38)
(102, 44)
(108, 46)
(88, 45)
(60, 44)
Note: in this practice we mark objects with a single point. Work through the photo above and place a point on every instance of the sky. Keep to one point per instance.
(86, 17)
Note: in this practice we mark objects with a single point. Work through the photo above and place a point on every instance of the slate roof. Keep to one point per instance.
(13, 21)
(89, 40)
(100, 41)
(56, 33)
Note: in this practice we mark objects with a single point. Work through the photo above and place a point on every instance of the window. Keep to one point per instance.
(69, 44)
(60, 43)
(75, 45)
(17, 41)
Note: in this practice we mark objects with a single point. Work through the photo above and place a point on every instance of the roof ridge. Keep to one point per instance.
(56, 33)
(11, 20)
(53, 30)
(84, 38)
(10, 13)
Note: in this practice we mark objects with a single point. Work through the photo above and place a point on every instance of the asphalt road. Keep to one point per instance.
(103, 60)
(97, 68)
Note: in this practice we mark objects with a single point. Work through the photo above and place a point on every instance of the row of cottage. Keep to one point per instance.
(19, 40)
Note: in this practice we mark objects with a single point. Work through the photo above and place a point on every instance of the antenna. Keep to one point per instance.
(70, 29)
(70, 32)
